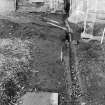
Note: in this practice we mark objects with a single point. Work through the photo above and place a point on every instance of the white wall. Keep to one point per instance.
(100, 4)
(91, 4)
(36, 0)
(6, 6)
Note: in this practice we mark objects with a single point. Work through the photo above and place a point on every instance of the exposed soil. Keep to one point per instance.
(30, 60)
(91, 69)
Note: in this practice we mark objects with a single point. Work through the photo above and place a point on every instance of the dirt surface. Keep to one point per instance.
(30, 61)
(90, 66)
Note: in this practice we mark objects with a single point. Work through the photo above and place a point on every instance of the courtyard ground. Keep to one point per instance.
(30, 57)
(30, 61)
